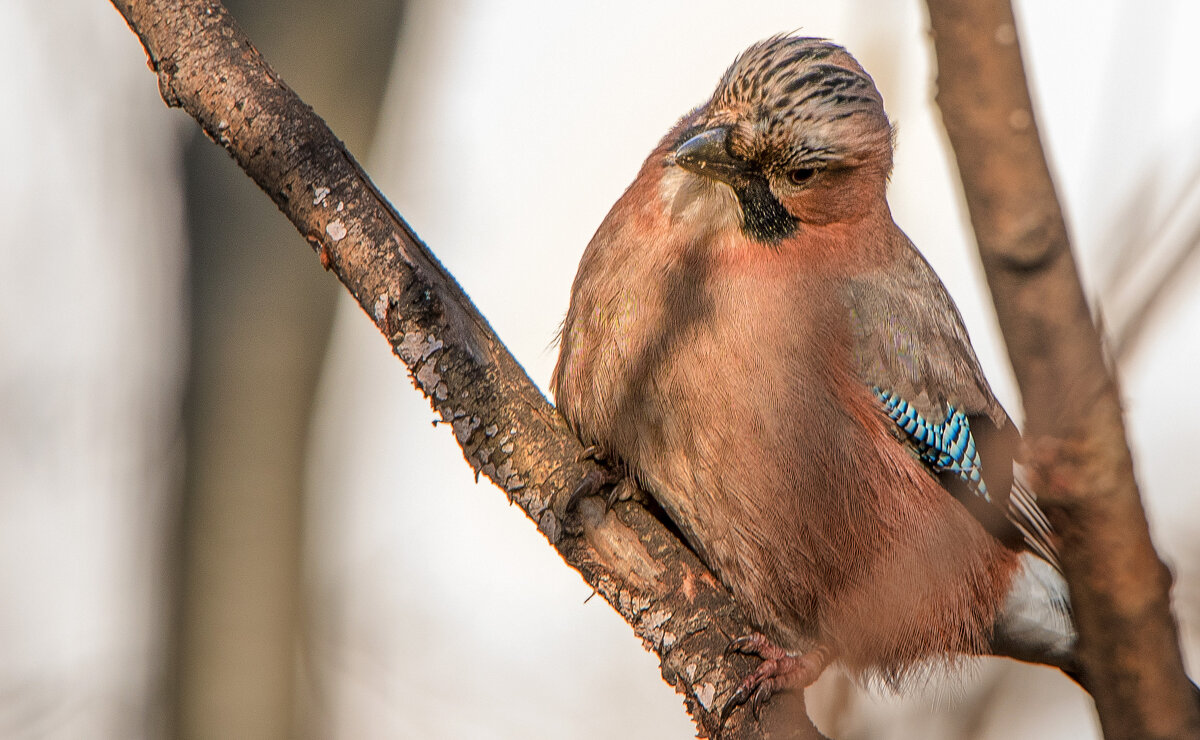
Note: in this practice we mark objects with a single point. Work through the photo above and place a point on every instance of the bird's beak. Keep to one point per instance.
(707, 154)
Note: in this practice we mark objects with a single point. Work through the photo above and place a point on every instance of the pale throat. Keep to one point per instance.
(697, 204)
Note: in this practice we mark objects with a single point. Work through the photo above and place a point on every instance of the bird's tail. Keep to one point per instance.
(1028, 517)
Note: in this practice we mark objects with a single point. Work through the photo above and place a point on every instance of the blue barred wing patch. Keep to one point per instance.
(945, 447)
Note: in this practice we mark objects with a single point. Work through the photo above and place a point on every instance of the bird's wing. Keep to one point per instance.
(914, 353)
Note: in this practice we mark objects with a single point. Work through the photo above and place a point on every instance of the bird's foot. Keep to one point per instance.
(597, 480)
(622, 489)
(591, 452)
(594, 482)
(779, 670)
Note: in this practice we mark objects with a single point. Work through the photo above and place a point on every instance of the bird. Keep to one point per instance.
(754, 341)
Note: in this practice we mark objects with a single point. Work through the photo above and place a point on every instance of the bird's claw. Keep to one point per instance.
(591, 452)
(780, 669)
(754, 644)
(739, 697)
(756, 696)
(589, 486)
(620, 491)
(593, 483)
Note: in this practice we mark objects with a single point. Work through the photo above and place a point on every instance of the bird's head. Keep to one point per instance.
(797, 129)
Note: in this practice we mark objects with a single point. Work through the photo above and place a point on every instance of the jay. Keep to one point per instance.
(755, 342)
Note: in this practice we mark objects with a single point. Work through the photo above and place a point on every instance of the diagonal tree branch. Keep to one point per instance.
(1129, 648)
(506, 429)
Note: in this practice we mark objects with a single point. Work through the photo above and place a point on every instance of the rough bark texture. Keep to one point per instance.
(1075, 434)
(507, 430)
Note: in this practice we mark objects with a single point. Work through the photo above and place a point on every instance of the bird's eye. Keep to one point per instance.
(800, 175)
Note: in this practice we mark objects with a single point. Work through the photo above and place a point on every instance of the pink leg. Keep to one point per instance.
(779, 670)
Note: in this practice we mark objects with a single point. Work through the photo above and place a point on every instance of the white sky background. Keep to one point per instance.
(511, 128)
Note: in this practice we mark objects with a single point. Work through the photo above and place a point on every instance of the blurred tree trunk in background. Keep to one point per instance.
(260, 322)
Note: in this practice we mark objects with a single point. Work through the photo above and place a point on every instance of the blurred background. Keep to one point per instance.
(225, 513)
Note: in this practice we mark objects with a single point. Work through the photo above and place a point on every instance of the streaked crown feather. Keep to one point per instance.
(803, 100)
